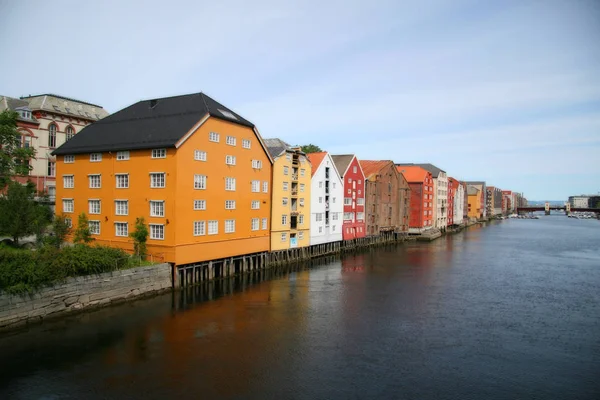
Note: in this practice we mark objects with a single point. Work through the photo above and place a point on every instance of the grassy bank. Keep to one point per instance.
(24, 271)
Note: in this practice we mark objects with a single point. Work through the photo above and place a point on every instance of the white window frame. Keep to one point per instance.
(214, 137)
(213, 227)
(229, 225)
(119, 207)
(255, 224)
(91, 179)
(284, 201)
(286, 170)
(231, 140)
(301, 219)
(93, 210)
(95, 157)
(153, 183)
(121, 225)
(246, 143)
(155, 209)
(118, 184)
(265, 187)
(230, 204)
(69, 159)
(256, 164)
(284, 237)
(255, 186)
(285, 186)
(159, 153)
(265, 224)
(155, 233)
(230, 160)
(302, 172)
(284, 219)
(67, 202)
(68, 179)
(255, 205)
(94, 224)
(302, 187)
(230, 184)
(123, 155)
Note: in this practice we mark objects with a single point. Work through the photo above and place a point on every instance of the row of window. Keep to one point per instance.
(349, 216)
(284, 219)
(350, 180)
(230, 140)
(52, 129)
(285, 202)
(284, 236)
(157, 207)
(286, 171)
(157, 180)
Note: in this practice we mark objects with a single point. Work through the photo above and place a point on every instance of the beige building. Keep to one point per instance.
(47, 121)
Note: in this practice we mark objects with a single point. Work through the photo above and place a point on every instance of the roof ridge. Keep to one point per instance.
(60, 97)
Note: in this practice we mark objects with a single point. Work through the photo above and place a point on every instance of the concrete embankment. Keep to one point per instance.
(84, 292)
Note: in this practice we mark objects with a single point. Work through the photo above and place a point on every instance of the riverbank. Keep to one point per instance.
(83, 293)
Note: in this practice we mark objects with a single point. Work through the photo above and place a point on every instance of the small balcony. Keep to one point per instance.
(294, 177)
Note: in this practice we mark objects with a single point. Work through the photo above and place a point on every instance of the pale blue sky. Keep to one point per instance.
(504, 91)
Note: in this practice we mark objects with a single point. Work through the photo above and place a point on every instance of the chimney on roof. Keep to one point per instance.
(153, 103)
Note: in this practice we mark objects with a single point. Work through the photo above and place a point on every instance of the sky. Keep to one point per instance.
(504, 91)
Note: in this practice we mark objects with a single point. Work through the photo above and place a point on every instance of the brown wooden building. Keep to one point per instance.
(387, 197)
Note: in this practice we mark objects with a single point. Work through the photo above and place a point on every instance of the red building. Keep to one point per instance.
(452, 188)
(420, 182)
(354, 225)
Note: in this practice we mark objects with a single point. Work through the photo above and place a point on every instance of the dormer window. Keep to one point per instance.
(24, 113)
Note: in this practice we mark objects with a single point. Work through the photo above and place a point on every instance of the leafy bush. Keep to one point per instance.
(25, 271)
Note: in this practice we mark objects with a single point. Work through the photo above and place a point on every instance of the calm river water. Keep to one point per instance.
(506, 311)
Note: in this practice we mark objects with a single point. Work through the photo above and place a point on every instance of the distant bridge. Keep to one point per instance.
(547, 208)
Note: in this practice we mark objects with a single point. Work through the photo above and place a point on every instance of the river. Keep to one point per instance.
(510, 310)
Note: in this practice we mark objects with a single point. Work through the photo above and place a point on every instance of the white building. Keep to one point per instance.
(459, 204)
(579, 201)
(45, 122)
(326, 200)
(440, 194)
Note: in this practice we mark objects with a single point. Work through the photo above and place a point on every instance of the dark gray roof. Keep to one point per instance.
(276, 146)
(472, 190)
(148, 124)
(10, 103)
(435, 171)
(342, 161)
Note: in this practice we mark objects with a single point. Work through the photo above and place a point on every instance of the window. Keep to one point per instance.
(230, 140)
(256, 186)
(230, 184)
(230, 160)
(320, 184)
(333, 199)
(256, 164)
(199, 204)
(122, 155)
(302, 171)
(284, 201)
(157, 208)
(359, 191)
(199, 228)
(255, 204)
(359, 181)
(213, 137)
(199, 155)
(52, 136)
(284, 219)
(300, 235)
(94, 227)
(360, 201)
(68, 181)
(286, 170)
(301, 219)
(122, 181)
(302, 187)
(94, 206)
(349, 180)
(69, 222)
(284, 237)
(264, 224)
(335, 216)
(255, 224)
(288, 156)
(213, 227)
(121, 207)
(95, 157)
(318, 217)
(320, 200)
(348, 216)
(157, 180)
(229, 225)
(121, 229)
(159, 153)
(354, 169)
(67, 205)
(265, 187)
(285, 186)
(360, 216)
(333, 185)
(95, 181)
(347, 201)
(301, 201)
(246, 143)
(70, 132)
(69, 159)
(320, 229)
(230, 204)
(199, 181)
(157, 231)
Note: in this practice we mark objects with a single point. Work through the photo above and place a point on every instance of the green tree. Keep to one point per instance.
(82, 233)
(140, 237)
(14, 159)
(20, 215)
(310, 148)
(61, 229)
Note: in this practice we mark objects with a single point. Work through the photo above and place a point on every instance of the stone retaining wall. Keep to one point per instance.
(83, 292)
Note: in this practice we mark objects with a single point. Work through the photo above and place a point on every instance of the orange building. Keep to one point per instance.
(196, 171)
